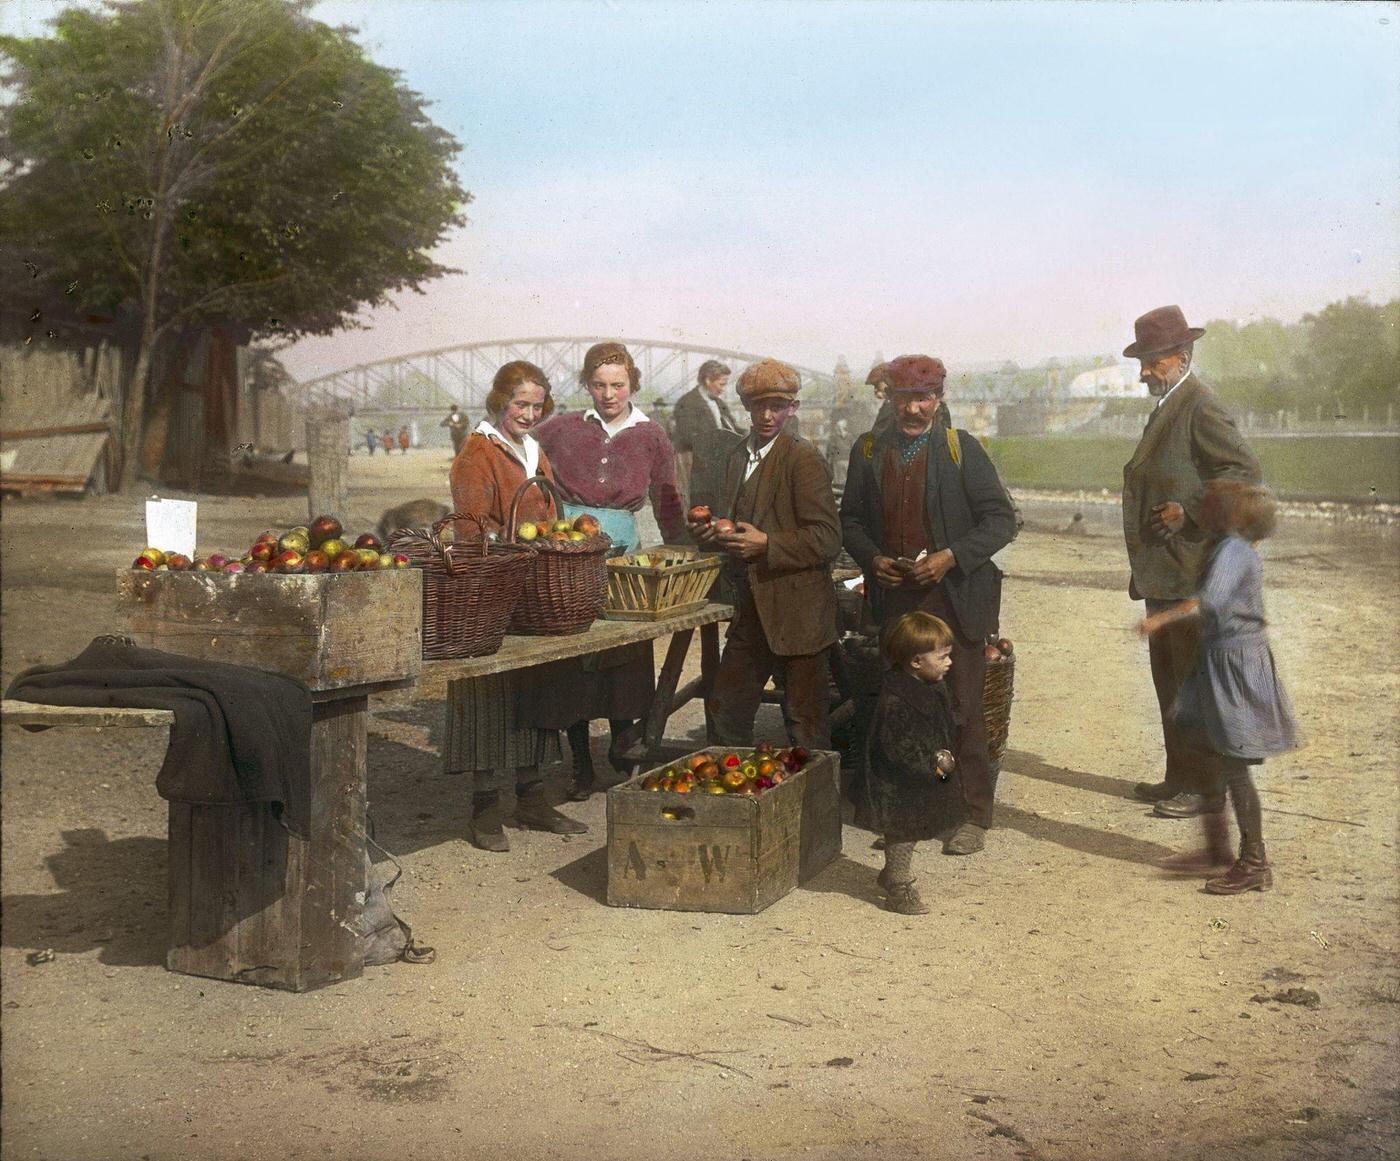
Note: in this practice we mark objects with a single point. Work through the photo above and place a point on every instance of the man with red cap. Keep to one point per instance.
(777, 491)
(1189, 439)
(922, 514)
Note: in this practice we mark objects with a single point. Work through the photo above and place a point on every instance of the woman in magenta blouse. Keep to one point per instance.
(609, 460)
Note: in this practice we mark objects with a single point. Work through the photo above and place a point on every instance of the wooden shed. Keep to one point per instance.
(56, 419)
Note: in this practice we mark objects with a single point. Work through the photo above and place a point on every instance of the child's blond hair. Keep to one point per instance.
(912, 634)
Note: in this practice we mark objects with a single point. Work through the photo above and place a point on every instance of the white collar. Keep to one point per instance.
(617, 427)
(756, 457)
(1172, 388)
(528, 454)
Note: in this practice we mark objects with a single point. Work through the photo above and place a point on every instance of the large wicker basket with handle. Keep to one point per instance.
(997, 694)
(564, 589)
(470, 589)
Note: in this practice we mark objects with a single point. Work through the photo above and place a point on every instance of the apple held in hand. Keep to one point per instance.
(723, 526)
(700, 514)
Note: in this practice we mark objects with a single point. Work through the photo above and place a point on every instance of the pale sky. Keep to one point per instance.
(971, 179)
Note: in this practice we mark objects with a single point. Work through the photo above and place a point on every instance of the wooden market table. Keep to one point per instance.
(521, 653)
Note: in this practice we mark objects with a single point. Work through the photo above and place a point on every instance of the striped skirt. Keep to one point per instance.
(483, 738)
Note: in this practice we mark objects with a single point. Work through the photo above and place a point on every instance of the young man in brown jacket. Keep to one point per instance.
(778, 493)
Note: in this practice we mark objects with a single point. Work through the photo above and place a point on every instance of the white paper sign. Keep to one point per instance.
(170, 525)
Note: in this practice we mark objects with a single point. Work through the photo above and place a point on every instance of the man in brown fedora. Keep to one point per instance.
(1189, 439)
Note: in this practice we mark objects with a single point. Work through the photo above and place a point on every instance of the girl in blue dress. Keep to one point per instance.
(1233, 701)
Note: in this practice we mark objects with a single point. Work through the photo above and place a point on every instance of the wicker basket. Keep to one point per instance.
(997, 695)
(563, 590)
(674, 580)
(469, 589)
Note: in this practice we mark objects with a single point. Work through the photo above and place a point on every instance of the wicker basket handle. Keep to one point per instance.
(452, 517)
(545, 485)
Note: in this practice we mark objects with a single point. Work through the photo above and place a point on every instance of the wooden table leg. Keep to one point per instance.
(661, 703)
(709, 666)
(251, 902)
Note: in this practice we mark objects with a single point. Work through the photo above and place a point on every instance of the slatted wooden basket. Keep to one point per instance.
(673, 581)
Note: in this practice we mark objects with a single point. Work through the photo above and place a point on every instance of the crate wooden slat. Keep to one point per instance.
(724, 853)
(648, 592)
(330, 631)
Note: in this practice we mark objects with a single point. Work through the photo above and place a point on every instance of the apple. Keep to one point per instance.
(369, 558)
(695, 761)
(324, 528)
(561, 526)
(294, 541)
(527, 531)
(557, 535)
(723, 526)
(368, 540)
(944, 764)
(750, 771)
(386, 560)
(991, 653)
(700, 514)
(587, 524)
(289, 560)
(333, 547)
(144, 561)
(217, 560)
(347, 561)
(268, 537)
(317, 561)
(651, 782)
(263, 550)
(763, 748)
(578, 535)
(681, 786)
(202, 565)
(401, 561)
(1005, 646)
(156, 556)
(731, 761)
(709, 771)
(800, 755)
(178, 562)
(258, 566)
(233, 567)
(716, 788)
(734, 779)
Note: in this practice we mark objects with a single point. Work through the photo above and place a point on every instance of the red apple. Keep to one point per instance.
(991, 653)
(347, 561)
(232, 567)
(258, 566)
(202, 565)
(401, 561)
(700, 514)
(723, 526)
(217, 560)
(263, 550)
(732, 762)
(324, 528)
(317, 561)
(145, 562)
(1005, 645)
(290, 560)
(368, 540)
(268, 537)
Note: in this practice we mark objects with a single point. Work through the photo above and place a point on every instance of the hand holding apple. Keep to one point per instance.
(745, 542)
(886, 573)
(931, 569)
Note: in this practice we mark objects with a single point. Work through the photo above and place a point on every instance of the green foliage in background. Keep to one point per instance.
(1326, 467)
(227, 162)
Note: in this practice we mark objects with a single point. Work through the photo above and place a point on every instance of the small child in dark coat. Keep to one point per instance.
(907, 756)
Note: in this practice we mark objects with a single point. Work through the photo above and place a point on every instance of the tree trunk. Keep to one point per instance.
(134, 413)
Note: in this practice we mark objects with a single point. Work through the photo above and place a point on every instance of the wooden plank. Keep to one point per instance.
(519, 652)
(30, 713)
(44, 432)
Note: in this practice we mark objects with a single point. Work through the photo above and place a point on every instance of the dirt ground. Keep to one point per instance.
(1063, 1000)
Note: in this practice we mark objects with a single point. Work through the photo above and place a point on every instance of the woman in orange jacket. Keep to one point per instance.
(482, 735)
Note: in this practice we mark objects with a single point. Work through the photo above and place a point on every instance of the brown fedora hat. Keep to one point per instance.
(1161, 330)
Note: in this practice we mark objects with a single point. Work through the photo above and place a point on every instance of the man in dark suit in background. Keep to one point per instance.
(922, 514)
(1189, 439)
(705, 433)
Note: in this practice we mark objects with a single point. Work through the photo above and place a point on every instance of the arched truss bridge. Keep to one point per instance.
(435, 380)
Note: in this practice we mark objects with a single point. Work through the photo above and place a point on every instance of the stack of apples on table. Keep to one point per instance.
(321, 546)
(729, 773)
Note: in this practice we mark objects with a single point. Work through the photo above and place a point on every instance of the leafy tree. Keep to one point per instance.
(217, 161)
(1256, 365)
(1353, 352)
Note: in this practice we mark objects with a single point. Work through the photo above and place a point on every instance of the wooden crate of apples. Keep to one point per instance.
(307, 603)
(723, 830)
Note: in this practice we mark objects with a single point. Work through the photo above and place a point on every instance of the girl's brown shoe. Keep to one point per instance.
(1251, 872)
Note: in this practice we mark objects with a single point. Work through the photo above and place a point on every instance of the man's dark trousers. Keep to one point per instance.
(1173, 652)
